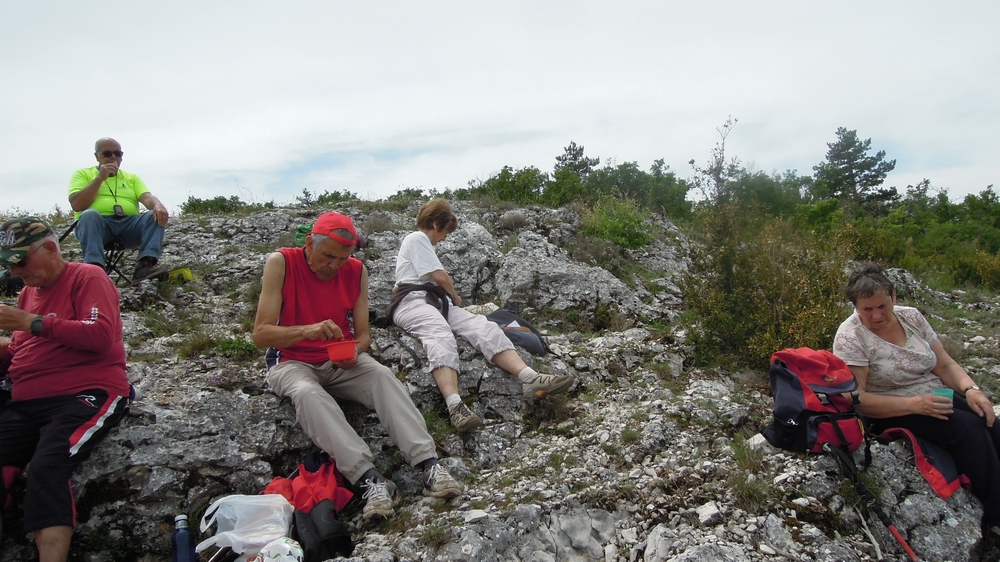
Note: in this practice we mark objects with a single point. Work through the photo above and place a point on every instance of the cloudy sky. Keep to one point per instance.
(264, 99)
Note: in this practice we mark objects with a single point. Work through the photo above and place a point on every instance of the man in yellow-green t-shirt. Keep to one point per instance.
(106, 200)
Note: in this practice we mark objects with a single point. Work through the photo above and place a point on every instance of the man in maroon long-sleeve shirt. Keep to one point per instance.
(66, 364)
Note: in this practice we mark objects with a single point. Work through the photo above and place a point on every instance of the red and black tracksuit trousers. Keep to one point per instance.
(52, 436)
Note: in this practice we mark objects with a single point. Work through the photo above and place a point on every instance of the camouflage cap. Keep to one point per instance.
(17, 236)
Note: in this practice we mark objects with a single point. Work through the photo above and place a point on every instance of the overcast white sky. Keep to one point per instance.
(262, 99)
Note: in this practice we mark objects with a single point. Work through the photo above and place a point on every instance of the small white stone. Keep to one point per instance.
(474, 515)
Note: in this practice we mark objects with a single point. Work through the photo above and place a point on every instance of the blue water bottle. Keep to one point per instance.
(182, 542)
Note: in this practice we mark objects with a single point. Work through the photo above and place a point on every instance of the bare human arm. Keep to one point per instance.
(955, 377)
(950, 373)
(153, 204)
(883, 406)
(13, 318)
(266, 331)
(444, 281)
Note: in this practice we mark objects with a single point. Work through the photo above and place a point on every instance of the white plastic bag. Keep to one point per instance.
(247, 523)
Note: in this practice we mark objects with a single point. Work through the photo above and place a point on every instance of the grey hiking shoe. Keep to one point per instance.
(539, 385)
(439, 483)
(463, 419)
(147, 270)
(379, 495)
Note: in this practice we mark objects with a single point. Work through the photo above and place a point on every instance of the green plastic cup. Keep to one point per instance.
(946, 392)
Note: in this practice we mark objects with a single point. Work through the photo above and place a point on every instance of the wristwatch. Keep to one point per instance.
(971, 387)
(855, 398)
(36, 326)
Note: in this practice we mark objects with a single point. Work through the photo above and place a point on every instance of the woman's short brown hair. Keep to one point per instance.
(867, 280)
(437, 212)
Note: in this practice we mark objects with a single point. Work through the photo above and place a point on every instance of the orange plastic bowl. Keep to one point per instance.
(342, 350)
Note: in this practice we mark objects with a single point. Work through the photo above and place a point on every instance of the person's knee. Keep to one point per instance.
(148, 220)
(90, 216)
(307, 395)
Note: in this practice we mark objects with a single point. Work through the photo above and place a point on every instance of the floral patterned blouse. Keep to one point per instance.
(892, 370)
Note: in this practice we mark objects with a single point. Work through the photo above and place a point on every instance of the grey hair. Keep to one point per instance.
(50, 238)
(866, 281)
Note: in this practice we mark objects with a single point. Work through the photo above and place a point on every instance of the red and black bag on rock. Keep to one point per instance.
(810, 409)
(316, 479)
(318, 492)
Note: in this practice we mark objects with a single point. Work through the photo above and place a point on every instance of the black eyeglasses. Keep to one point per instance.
(24, 260)
(110, 153)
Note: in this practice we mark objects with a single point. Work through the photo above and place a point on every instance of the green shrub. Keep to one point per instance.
(238, 349)
(988, 270)
(378, 222)
(868, 240)
(196, 344)
(221, 205)
(759, 285)
(522, 186)
(618, 221)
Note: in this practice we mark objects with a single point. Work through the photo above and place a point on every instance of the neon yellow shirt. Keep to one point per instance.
(123, 189)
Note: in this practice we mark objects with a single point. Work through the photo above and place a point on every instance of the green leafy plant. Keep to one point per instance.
(618, 221)
(222, 206)
(238, 349)
(758, 285)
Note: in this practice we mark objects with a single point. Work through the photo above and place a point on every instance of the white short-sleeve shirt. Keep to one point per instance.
(892, 370)
(416, 259)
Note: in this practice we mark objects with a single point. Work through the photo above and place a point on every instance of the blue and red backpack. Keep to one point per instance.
(810, 409)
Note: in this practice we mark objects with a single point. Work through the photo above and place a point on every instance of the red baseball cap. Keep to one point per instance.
(327, 223)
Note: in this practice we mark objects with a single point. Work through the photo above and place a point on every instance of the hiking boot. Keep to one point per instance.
(379, 493)
(148, 270)
(463, 419)
(539, 385)
(440, 484)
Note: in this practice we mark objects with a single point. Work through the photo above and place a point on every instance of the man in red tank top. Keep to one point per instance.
(312, 296)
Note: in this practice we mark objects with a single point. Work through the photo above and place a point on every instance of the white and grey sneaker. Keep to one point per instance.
(380, 495)
(439, 483)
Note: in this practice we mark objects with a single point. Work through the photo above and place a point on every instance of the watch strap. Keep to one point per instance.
(971, 387)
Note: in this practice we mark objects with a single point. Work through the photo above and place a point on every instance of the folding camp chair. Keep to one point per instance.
(114, 256)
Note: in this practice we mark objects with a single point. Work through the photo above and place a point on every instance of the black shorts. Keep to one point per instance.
(55, 435)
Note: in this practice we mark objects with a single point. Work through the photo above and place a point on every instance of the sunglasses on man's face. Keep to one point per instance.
(24, 261)
(110, 153)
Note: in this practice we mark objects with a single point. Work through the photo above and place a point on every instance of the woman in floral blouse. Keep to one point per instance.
(899, 361)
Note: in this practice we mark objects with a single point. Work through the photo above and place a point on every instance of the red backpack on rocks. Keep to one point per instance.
(810, 409)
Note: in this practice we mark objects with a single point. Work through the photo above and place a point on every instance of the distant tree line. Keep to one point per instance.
(769, 270)
(579, 178)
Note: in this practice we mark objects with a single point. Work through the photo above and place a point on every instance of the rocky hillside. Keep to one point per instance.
(645, 459)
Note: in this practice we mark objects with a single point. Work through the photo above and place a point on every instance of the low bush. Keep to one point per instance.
(618, 221)
(221, 205)
(759, 285)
